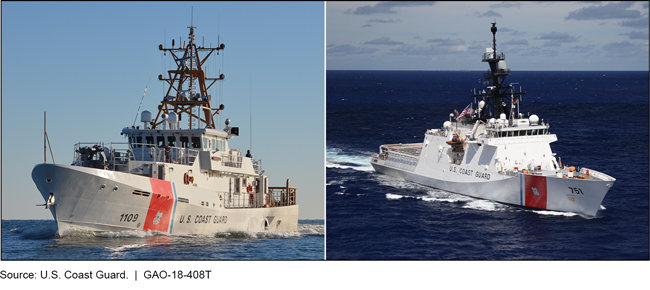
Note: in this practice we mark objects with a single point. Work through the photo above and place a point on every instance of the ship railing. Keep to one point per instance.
(282, 196)
(240, 200)
(275, 197)
(375, 157)
(491, 55)
(111, 156)
(257, 165)
(120, 156)
(231, 160)
(596, 174)
(167, 154)
(437, 132)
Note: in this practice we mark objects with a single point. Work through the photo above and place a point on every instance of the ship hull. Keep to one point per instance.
(105, 200)
(527, 190)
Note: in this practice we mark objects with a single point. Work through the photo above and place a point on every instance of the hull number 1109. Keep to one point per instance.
(128, 217)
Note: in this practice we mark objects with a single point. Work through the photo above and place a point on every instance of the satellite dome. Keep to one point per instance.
(145, 117)
(173, 117)
(533, 119)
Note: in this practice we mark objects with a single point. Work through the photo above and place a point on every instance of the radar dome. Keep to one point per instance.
(501, 65)
(145, 117)
(533, 119)
(446, 124)
(502, 116)
(173, 117)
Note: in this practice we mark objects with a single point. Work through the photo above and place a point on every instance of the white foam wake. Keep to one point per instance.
(335, 158)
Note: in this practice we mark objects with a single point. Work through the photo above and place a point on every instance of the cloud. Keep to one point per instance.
(388, 7)
(384, 41)
(581, 49)
(615, 10)
(444, 47)
(557, 36)
(637, 35)
(626, 49)
(384, 21)
(511, 31)
(517, 42)
(506, 5)
(637, 23)
(447, 42)
(555, 39)
(349, 49)
(490, 13)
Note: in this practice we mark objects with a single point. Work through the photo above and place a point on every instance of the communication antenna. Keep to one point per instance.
(145, 92)
(250, 102)
(46, 139)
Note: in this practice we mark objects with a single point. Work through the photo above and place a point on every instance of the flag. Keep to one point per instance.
(464, 112)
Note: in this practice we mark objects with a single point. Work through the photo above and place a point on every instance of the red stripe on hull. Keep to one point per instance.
(535, 191)
(160, 207)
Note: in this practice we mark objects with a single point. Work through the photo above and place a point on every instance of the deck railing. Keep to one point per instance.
(116, 155)
(275, 197)
(168, 154)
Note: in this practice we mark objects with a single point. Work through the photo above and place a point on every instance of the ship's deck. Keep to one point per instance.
(407, 149)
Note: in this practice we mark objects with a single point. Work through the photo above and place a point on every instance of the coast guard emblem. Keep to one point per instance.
(535, 191)
(156, 220)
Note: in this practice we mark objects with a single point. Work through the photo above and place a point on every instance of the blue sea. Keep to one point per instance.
(38, 240)
(601, 121)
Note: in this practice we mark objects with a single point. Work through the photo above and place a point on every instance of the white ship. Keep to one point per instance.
(494, 152)
(166, 178)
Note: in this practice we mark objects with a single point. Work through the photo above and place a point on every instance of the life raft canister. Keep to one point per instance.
(187, 179)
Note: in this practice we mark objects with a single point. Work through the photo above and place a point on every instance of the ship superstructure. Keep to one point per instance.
(169, 177)
(496, 152)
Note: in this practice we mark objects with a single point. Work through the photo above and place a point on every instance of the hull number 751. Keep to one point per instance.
(576, 190)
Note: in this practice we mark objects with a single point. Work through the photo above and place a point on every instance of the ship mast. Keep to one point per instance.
(500, 98)
(182, 96)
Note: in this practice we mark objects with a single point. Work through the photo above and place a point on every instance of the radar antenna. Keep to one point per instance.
(182, 96)
(499, 97)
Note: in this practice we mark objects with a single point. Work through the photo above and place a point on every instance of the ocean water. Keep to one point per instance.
(38, 240)
(601, 121)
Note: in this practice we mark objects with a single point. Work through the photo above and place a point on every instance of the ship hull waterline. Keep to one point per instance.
(524, 190)
(104, 200)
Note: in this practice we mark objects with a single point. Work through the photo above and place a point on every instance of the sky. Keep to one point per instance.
(549, 36)
(87, 64)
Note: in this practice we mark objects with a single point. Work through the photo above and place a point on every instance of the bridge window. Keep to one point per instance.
(149, 139)
(171, 141)
(160, 141)
(184, 141)
(196, 142)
